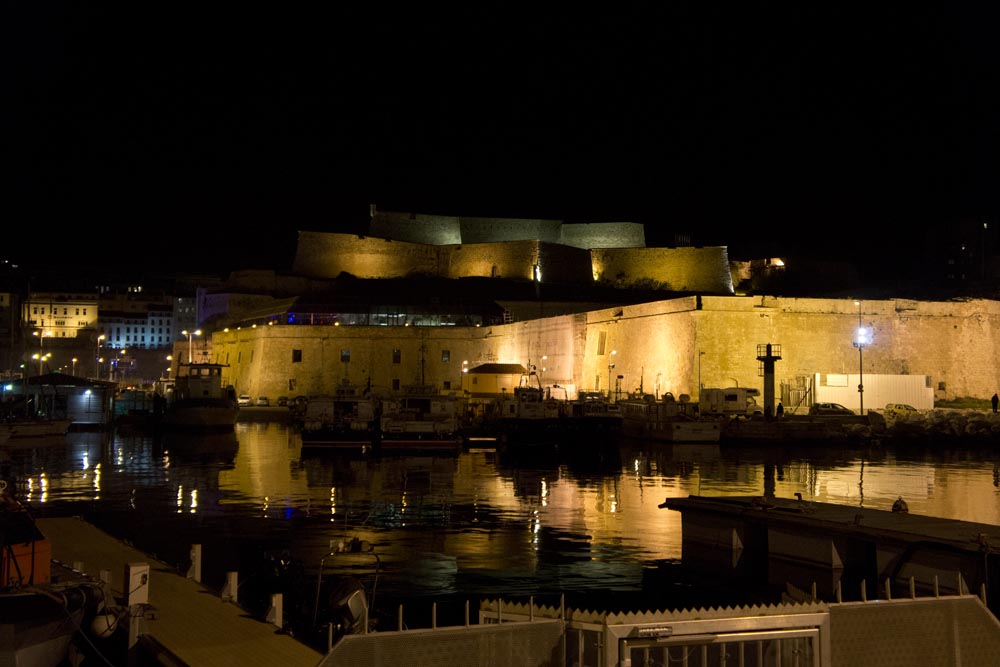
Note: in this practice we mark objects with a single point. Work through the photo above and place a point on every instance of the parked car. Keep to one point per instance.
(900, 409)
(830, 409)
(282, 401)
(262, 401)
(244, 399)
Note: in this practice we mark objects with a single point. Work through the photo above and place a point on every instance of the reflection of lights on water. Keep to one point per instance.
(180, 498)
(635, 465)
(545, 493)
(402, 509)
(536, 527)
(267, 504)
(97, 482)
(194, 501)
(333, 503)
(86, 461)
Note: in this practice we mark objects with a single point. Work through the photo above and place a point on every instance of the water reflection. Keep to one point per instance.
(472, 523)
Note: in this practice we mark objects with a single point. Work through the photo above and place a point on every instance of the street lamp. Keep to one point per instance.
(611, 367)
(700, 385)
(189, 334)
(74, 366)
(97, 356)
(862, 339)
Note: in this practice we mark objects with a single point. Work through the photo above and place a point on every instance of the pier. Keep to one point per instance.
(838, 550)
(188, 623)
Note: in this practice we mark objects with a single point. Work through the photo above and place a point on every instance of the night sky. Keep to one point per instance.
(132, 133)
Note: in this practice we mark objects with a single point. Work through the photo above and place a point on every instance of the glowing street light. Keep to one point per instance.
(98, 356)
(189, 334)
(863, 338)
(74, 366)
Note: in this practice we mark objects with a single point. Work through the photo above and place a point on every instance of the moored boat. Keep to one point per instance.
(666, 420)
(349, 419)
(43, 604)
(198, 399)
(421, 419)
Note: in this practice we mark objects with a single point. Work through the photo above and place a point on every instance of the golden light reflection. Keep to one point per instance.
(267, 504)
(545, 493)
(194, 501)
(333, 503)
(97, 482)
(180, 498)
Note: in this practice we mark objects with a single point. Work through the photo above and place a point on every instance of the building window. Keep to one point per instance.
(345, 356)
(475, 379)
(296, 356)
(397, 356)
(445, 356)
(602, 341)
(447, 384)
(395, 384)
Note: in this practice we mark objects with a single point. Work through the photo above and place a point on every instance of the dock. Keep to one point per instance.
(189, 620)
(839, 549)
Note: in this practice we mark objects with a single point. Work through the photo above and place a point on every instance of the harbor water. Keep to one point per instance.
(583, 524)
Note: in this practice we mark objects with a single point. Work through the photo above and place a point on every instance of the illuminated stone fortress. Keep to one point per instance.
(699, 334)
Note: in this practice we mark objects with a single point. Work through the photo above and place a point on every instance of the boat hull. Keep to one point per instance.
(674, 430)
(200, 416)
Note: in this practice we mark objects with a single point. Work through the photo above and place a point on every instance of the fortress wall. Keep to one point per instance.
(657, 343)
(604, 235)
(493, 230)
(514, 260)
(675, 269)
(325, 255)
(417, 228)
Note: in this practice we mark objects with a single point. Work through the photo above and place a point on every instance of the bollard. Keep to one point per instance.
(231, 587)
(275, 612)
(194, 572)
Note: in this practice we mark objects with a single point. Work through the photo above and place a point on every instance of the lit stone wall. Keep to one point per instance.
(516, 260)
(417, 227)
(604, 235)
(657, 345)
(677, 269)
(324, 255)
(494, 230)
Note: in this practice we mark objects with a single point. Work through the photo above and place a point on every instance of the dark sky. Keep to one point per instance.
(135, 133)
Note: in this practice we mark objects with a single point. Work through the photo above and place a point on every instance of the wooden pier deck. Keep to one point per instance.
(191, 621)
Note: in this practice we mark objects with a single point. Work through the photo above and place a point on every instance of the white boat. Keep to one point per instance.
(199, 401)
(421, 418)
(34, 428)
(666, 420)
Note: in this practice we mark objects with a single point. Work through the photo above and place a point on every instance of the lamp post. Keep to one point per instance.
(700, 385)
(97, 357)
(611, 367)
(189, 334)
(74, 366)
(861, 340)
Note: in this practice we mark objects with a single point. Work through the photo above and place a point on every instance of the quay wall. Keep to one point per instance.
(661, 346)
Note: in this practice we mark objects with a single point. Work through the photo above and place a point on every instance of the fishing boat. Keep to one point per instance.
(43, 603)
(531, 416)
(666, 420)
(198, 399)
(421, 419)
(349, 419)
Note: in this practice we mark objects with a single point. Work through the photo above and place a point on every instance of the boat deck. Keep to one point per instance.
(190, 621)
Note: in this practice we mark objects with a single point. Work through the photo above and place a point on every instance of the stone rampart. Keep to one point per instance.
(663, 346)
(675, 269)
(326, 255)
(604, 235)
(417, 227)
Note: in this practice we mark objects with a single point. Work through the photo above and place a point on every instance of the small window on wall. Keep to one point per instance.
(395, 384)
(445, 356)
(296, 356)
(345, 356)
(602, 341)
(397, 356)
(447, 384)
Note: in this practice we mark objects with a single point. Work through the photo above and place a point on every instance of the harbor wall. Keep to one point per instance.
(661, 346)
